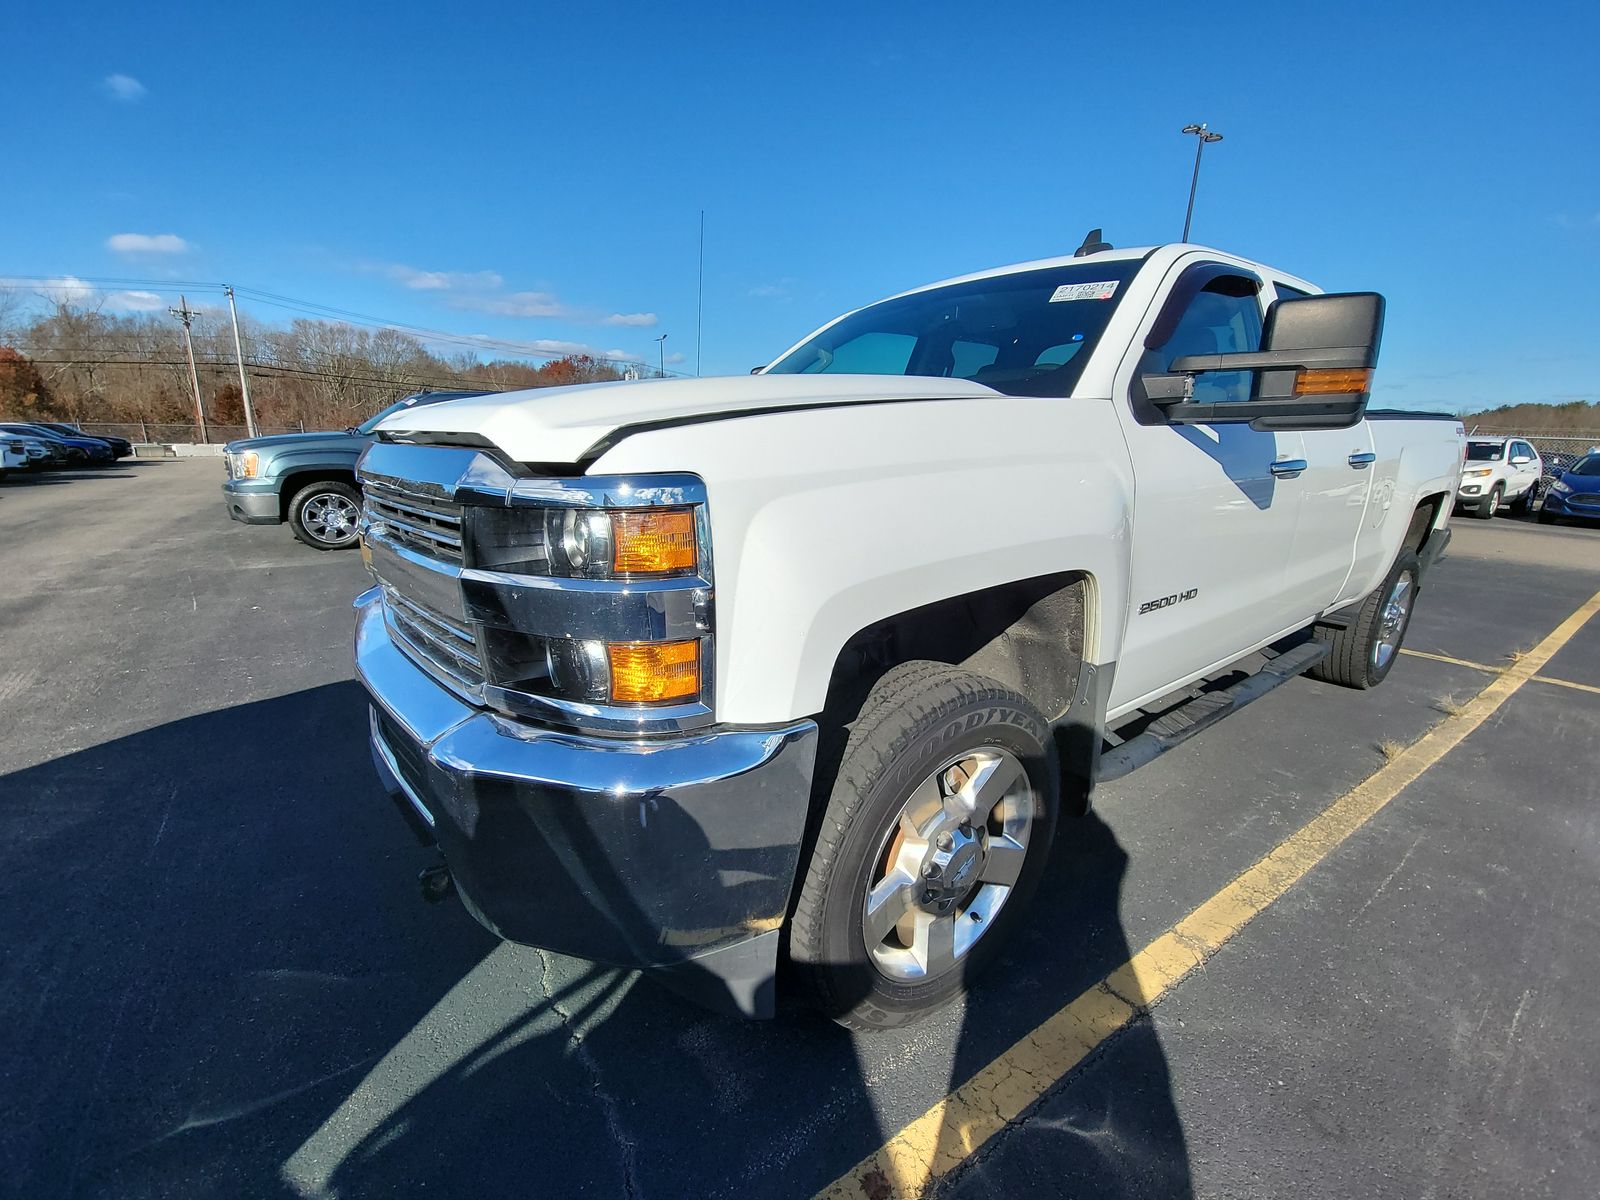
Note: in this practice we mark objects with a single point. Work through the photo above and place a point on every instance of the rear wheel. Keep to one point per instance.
(1362, 653)
(934, 838)
(324, 515)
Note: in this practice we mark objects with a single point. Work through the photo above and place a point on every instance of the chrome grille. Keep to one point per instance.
(445, 644)
(432, 527)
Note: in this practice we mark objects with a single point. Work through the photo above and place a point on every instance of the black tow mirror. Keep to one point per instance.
(1314, 370)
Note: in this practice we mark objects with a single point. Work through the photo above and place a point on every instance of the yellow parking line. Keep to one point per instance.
(1456, 662)
(963, 1121)
(1478, 666)
(1567, 683)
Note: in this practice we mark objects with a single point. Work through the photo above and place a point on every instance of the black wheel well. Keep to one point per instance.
(1423, 519)
(1028, 636)
(291, 483)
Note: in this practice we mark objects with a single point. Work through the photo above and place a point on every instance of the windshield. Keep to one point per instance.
(406, 402)
(1026, 334)
(1485, 451)
(1589, 465)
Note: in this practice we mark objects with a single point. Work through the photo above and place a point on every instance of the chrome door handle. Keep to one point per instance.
(1362, 460)
(1288, 467)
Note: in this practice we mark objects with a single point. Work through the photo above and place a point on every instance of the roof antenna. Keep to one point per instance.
(1092, 244)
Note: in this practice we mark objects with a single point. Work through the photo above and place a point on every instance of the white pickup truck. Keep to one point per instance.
(687, 675)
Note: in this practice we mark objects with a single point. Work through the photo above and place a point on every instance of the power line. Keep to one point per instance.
(23, 283)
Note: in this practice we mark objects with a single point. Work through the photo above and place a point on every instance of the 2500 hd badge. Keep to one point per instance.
(1168, 601)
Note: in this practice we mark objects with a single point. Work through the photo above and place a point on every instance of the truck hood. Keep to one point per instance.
(570, 424)
(300, 441)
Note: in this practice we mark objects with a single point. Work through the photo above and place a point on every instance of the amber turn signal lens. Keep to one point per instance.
(650, 672)
(1329, 381)
(653, 541)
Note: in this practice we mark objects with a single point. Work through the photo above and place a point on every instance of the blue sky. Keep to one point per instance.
(535, 172)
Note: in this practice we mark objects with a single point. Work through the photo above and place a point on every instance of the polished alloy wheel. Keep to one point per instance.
(330, 517)
(948, 864)
(1392, 619)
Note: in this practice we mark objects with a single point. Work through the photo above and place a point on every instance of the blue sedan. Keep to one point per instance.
(1576, 493)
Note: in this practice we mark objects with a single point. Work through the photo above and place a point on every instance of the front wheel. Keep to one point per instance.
(1362, 653)
(933, 841)
(324, 515)
(1491, 506)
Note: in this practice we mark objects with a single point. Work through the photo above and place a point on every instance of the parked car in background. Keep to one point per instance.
(1499, 473)
(120, 447)
(307, 479)
(79, 449)
(13, 456)
(42, 455)
(1576, 493)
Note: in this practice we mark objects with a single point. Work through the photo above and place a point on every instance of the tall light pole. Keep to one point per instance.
(187, 315)
(662, 352)
(238, 353)
(1202, 135)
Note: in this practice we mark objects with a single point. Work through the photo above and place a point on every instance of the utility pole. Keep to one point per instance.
(238, 353)
(700, 295)
(662, 351)
(187, 315)
(1202, 135)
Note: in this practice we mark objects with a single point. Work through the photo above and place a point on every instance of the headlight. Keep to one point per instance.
(1477, 471)
(248, 465)
(634, 543)
(1561, 485)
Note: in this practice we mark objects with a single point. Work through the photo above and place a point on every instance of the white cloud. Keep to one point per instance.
(147, 243)
(444, 281)
(635, 320)
(512, 304)
(1568, 221)
(676, 356)
(134, 302)
(64, 289)
(123, 88)
(772, 291)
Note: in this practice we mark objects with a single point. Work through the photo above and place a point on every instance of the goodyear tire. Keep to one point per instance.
(1362, 654)
(936, 831)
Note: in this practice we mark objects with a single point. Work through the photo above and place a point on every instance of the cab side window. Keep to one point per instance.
(1223, 318)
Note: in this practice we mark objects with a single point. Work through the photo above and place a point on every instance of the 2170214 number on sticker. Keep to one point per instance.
(1168, 601)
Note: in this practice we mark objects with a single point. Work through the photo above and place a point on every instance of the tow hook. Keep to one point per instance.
(435, 882)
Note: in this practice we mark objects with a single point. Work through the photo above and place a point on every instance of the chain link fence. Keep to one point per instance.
(153, 432)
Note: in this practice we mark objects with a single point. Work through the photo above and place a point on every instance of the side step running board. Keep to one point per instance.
(1182, 723)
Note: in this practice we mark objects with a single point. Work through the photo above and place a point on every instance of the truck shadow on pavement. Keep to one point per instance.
(220, 981)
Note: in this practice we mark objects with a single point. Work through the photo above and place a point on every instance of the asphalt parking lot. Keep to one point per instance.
(218, 979)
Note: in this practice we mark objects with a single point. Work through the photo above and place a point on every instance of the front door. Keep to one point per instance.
(1215, 506)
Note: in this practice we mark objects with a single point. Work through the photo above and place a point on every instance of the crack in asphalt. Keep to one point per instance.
(608, 1104)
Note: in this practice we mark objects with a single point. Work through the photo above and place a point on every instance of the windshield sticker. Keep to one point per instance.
(1085, 291)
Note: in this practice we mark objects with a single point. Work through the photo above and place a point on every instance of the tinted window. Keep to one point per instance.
(1285, 292)
(1586, 466)
(1219, 320)
(1485, 451)
(1523, 448)
(1009, 332)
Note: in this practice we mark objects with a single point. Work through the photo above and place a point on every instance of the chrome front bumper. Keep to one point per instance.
(252, 503)
(676, 854)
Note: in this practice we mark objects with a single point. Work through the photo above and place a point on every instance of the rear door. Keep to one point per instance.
(1213, 522)
(1334, 492)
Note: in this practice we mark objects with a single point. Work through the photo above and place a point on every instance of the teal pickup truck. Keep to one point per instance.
(307, 479)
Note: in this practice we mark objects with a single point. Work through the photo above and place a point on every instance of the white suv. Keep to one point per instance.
(1499, 473)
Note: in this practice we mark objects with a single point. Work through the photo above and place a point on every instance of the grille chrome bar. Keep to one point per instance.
(448, 646)
(431, 526)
